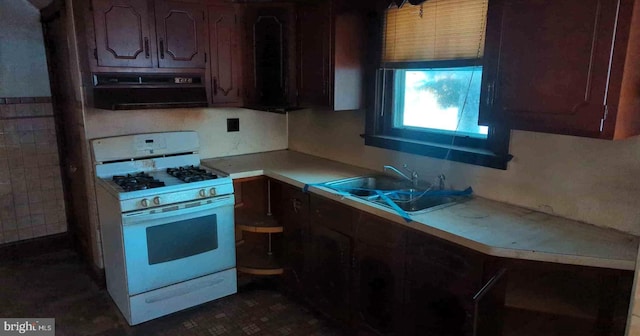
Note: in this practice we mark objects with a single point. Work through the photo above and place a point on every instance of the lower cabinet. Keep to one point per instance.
(447, 292)
(329, 272)
(328, 258)
(378, 276)
(291, 206)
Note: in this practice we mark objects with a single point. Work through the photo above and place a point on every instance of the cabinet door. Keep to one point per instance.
(329, 265)
(180, 28)
(442, 280)
(314, 61)
(225, 54)
(546, 64)
(271, 78)
(379, 275)
(122, 33)
(295, 215)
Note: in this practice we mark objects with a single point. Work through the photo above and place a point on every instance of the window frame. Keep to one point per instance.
(491, 152)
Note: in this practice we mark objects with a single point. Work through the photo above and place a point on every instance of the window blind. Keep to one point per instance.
(435, 30)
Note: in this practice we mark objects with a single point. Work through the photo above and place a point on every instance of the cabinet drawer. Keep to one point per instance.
(331, 214)
(376, 231)
(449, 265)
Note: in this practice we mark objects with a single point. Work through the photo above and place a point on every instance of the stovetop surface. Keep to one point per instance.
(160, 181)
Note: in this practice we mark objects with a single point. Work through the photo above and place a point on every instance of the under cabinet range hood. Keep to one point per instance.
(148, 91)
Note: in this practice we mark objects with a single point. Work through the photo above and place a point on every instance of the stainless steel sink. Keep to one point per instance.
(413, 200)
(400, 192)
(355, 185)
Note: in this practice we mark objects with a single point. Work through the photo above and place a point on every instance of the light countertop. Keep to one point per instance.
(490, 227)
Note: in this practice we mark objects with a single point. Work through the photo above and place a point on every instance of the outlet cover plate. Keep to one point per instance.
(233, 125)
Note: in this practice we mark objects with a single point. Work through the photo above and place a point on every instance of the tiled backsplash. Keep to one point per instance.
(31, 199)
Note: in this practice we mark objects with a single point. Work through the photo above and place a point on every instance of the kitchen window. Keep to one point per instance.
(428, 84)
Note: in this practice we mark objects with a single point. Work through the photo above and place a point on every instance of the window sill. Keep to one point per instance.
(474, 156)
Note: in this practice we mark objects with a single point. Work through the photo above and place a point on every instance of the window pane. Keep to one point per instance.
(446, 100)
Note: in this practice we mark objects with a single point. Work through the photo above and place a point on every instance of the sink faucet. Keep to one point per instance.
(441, 179)
(413, 178)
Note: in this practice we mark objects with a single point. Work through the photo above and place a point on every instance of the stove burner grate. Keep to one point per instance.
(137, 181)
(191, 174)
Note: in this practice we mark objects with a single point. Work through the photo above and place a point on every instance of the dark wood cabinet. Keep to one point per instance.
(270, 58)
(122, 33)
(131, 34)
(330, 56)
(557, 67)
(224, 46)
(292, 209)
(446, 292)
(378, 276)
(328, 258)
(180, 29)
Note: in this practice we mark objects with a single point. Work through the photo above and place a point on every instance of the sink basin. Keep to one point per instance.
(399, 191)
(374, 182)
(411, 200)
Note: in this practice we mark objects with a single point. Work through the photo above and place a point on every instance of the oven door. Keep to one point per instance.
(171, 244)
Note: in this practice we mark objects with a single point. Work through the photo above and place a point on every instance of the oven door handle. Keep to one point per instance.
(185, 210)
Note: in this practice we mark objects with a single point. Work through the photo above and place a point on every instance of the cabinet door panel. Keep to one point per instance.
(181, 29)
(547, 64)
(295, 216)
(122, 33)
(379, 274)
(379, 284)
(225, 54)
(314, 33)
(442, 280)
(329, 264)
(271, 76)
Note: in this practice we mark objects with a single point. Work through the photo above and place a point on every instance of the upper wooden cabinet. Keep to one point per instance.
(560, 66)
(270, 58)
(129, 35)
(224, 46)
(180, 27)
(330, 56)
(122, 33)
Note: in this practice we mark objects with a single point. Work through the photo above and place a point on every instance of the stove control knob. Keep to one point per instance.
(212, 191)
(156, 200)
(144, 202)
(202, 193)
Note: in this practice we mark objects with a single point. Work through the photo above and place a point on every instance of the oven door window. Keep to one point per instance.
(182, 239)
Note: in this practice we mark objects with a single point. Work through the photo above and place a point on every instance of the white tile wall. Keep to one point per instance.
(31, 199)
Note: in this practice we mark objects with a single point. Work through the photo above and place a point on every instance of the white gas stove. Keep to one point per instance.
(167, 224)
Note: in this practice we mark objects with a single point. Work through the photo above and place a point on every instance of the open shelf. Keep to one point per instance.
(257, 223)
(255, 260)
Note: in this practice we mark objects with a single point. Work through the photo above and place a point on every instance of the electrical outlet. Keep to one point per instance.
(233, 125)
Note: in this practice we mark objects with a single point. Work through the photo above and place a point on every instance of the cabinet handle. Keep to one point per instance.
(490, 90)
(296, 204)
(215, 86)
(162, 48)
(146, 47)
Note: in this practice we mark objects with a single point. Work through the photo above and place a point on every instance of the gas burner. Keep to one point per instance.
(191, 174)
(138, 181)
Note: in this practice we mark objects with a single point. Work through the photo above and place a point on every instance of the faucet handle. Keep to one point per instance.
(414, 173)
